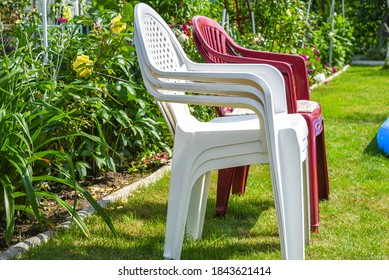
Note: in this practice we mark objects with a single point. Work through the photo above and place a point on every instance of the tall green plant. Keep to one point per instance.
(25, 162)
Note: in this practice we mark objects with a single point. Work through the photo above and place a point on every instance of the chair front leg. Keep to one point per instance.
(198, 206)
(294, 190)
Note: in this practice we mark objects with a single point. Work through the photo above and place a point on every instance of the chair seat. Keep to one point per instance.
(311, 111)
(303, 106)
(307, 106)
(240, 122)
(237, 112)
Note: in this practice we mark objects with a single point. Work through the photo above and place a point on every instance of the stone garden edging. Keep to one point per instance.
(330, 77)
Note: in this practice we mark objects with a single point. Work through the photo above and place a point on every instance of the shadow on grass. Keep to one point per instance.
(360, 117)
(372, 149)
(141, 230)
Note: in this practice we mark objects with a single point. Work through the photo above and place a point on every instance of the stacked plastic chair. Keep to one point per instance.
(216, 46)
(270, 135)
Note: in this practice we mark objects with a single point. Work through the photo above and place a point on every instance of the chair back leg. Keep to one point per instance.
(239, 179)
(224, 182)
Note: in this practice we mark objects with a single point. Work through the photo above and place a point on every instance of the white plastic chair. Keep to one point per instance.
(271, 136)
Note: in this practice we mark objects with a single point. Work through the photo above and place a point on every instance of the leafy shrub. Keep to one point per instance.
(366, 18)
(12, 11)
(281, 25)
(110, 101)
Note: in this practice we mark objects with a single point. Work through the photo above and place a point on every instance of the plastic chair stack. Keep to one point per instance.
(216, 46)
(270, 135)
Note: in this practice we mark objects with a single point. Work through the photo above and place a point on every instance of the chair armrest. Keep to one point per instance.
(220, 80)
(283, 67)
(214, 89)
(296, 61)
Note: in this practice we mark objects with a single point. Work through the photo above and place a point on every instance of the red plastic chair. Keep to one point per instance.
(216, 46)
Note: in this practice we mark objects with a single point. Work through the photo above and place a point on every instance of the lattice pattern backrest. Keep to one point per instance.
(164, 56)
(163, 53)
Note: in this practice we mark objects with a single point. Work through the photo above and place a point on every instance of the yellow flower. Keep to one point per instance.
(67, 13)
(83, 65)
(116, 19)
(116, 25)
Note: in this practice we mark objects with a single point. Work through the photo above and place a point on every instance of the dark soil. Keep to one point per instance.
(98, 187)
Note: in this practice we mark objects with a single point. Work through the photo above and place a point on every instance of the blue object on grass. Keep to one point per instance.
(383, 137)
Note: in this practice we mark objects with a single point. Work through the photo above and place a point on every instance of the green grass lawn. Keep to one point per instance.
(354, 222)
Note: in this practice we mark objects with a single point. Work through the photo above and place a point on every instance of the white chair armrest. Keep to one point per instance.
(269, 80)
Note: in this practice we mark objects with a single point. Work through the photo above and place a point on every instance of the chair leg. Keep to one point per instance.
(223, 190)
(313, 182)
(322, 170)
(178, 201)
(198, 206)
(239, 179)
(178, 204)
(313, 172)
(307, 215)
(293, 190)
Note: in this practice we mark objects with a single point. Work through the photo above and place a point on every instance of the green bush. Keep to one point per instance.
(366, 17)
(110, 102)
(281, 25)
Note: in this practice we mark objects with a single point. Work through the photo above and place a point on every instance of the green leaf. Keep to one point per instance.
(3, 113)
(126, 93)
(110, 163)
(128, 13)
(9, 205)
(80, 223)
(82, 168)
(25, 172)
(100, 161)
(98, 209)
(71, 183)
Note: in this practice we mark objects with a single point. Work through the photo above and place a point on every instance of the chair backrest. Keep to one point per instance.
(161, 56)
(208, 32)
(216, 46)
(157, 46)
